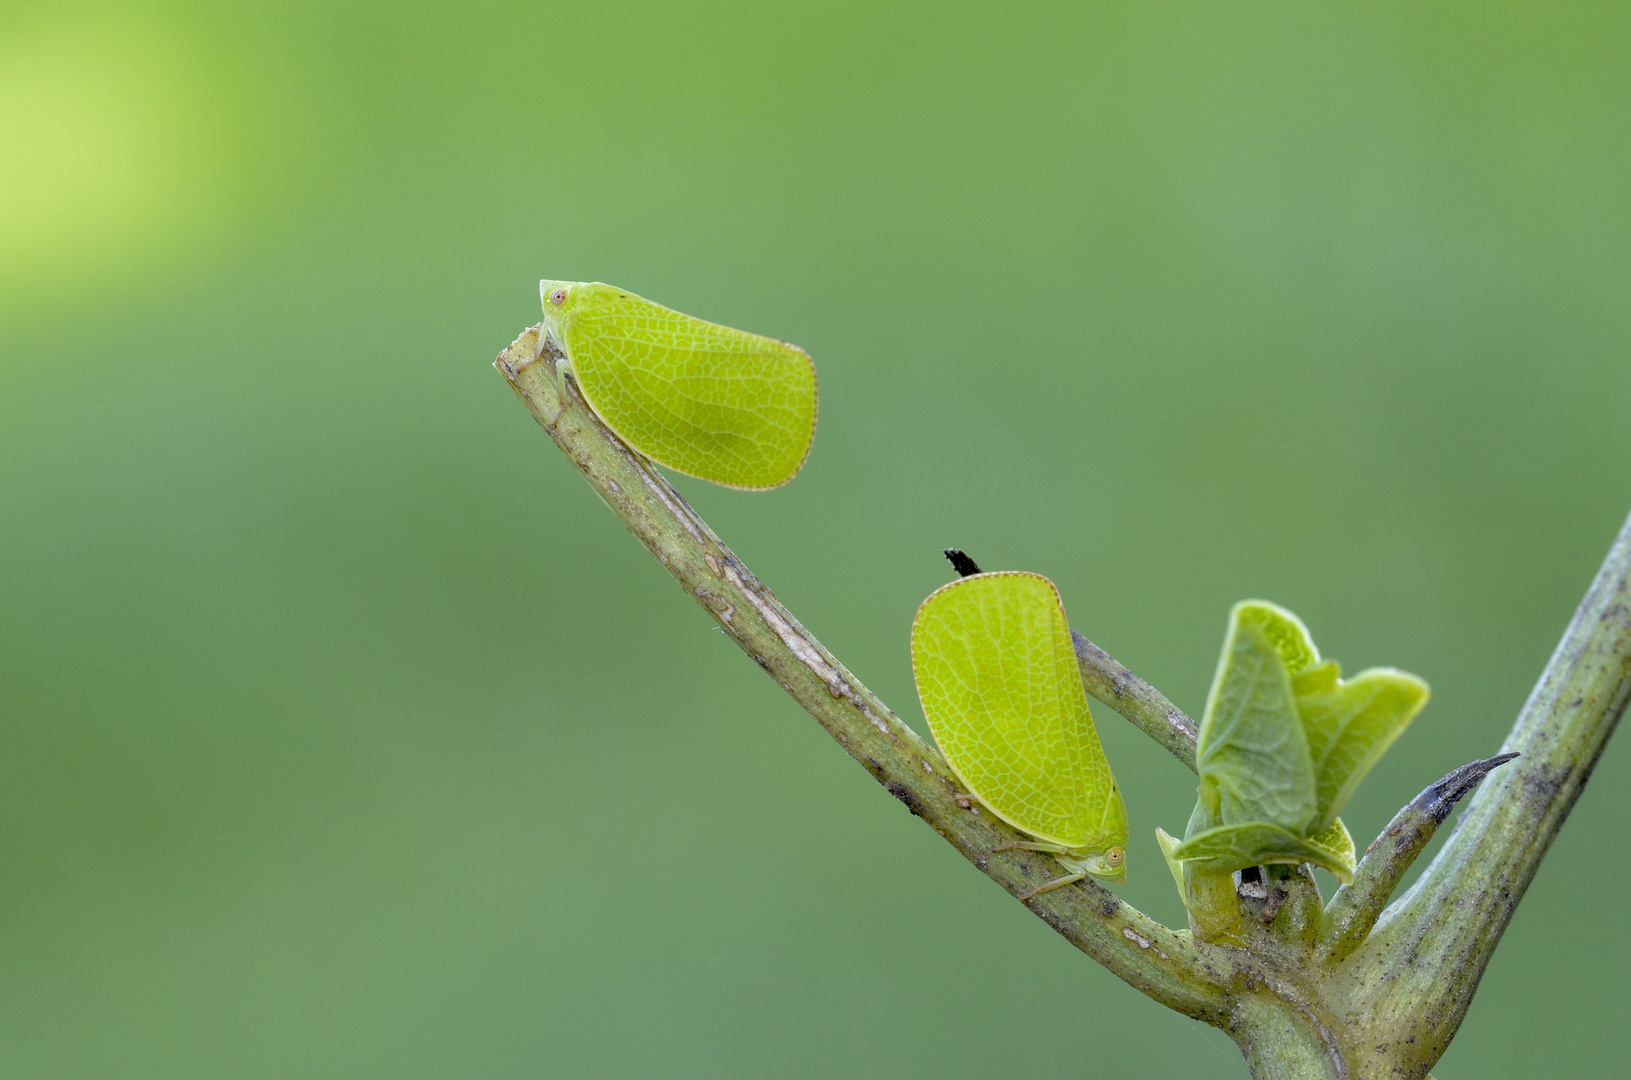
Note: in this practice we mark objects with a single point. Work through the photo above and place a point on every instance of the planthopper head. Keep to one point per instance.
(1109, 865)
(555, 294)
(564, 299)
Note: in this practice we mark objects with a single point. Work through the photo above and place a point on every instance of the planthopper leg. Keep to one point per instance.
(1049, 886)
(1032, 845)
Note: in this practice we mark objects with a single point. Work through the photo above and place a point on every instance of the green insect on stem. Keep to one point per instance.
(998, 679)
(723, 405)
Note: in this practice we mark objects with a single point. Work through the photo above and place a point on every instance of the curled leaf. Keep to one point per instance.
(1287, 632)
(1340, 846)
(1251, 747)
(1350, 724)
(1169, 844)
(1234, 847)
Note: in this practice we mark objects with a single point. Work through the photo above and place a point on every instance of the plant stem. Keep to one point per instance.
(1304, 994)
(1280, 1043)
(1354, 909)
(1169, 967)
(1414, 977)
(1136, 700)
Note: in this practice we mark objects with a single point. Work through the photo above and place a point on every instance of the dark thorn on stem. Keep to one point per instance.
(961, 563)
(1442, 796)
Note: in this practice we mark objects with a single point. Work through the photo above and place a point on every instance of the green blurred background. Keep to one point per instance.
(343, 733)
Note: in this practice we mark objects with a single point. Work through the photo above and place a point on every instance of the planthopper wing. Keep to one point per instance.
(723, 405)
(1000, 687)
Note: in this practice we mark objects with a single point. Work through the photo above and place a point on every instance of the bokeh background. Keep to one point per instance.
(343, 733)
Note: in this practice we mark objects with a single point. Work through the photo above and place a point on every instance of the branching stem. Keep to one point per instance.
(1354, 909)
(1168, 966)
(1136, 700)
(1436, 940)
(1303, 994)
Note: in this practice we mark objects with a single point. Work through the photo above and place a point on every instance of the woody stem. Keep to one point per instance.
(1169, 967)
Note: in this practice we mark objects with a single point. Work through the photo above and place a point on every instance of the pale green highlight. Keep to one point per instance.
(123, 149)
(998, 679)
(723, 405)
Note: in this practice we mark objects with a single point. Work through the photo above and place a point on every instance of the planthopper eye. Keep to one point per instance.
(1115, 856)
(557, 296)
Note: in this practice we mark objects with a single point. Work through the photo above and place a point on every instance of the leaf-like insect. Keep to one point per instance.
(719, 404)
(997, 676)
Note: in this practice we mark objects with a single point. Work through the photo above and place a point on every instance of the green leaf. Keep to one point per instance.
(1336, 841)
(1251, 747)
(1285, 630)
(1169, 844)
(1228, 848)
(1350, 725)
(1283, 744)
(1321, 677)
